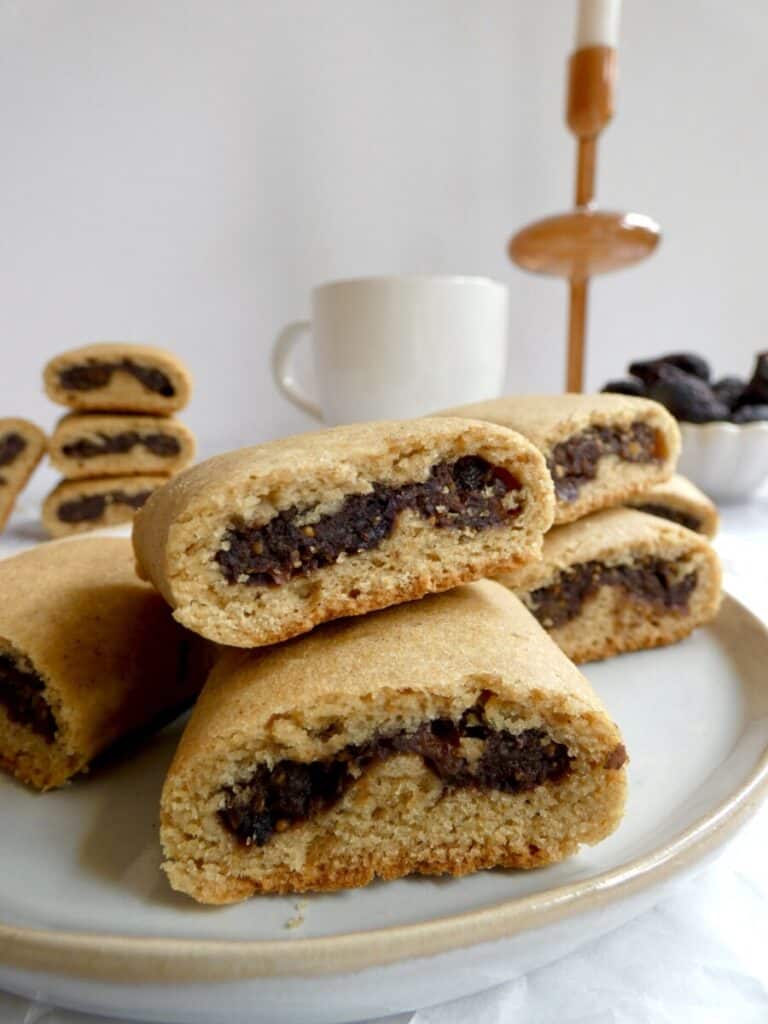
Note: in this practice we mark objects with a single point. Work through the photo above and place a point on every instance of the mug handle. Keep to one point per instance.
(282, 371)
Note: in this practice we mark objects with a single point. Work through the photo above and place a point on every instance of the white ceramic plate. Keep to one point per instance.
(88, 921)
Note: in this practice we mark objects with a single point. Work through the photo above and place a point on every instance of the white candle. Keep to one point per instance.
(598, 23)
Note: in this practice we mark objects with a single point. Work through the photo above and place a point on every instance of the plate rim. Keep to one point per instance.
(131, 958)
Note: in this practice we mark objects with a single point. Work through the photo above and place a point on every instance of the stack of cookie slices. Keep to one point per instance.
(434, 727)
(627, 565)
(121, 441)
(372, 701)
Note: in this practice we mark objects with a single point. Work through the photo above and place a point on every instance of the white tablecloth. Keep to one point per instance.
(700, 957)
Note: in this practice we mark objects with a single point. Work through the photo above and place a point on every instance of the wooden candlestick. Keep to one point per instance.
(586, 241)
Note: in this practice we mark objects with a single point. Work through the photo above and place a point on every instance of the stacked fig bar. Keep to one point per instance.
(121, 440)
(627, 565)
(379, 620)
(434, 727)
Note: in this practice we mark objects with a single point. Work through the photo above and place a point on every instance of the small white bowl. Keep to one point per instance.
(729, 461)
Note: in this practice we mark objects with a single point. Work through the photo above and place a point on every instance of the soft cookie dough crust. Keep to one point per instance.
(93, 427)
(612, 622)
(548, 420)
(311, 697)
(109, 653)
(178, 532)
(679, 494)
(114, 513)
(16, 474)
(123, 393)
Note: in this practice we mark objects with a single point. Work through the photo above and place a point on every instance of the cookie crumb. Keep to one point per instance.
(298, 919)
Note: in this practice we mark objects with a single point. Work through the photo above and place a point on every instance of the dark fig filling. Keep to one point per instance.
(93, 506)
(272, 800)
(466, 494)
(652, 580)
(574, 462)
(11, 446)
(22, 696)
(119, 444)
(674, 515)
(96, 374)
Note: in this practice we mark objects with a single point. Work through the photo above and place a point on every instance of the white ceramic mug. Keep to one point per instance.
(394, 347)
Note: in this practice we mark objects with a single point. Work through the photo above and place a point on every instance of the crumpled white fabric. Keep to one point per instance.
(700, 957)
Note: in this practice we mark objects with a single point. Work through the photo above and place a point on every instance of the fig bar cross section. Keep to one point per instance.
(116, 444)
(259, 545)
(618, 581)
(113, 376)
(601, 450)
(415, 740)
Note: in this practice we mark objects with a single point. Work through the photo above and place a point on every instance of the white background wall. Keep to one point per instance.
(183, 171)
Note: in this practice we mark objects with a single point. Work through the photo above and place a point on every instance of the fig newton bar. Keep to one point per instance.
(76, 506)
(259, 545)
(601, 450)
(442, 736)
(88, 654)
(118, 376)
(620, 580)
(104, 444)
(680, 501)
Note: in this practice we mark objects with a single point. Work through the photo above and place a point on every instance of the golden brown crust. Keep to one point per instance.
(475, 624)
(179, 531)
(114, 513)
(123, 393)
(15, 476)
(310, 698)
(387, 868)
(94, 427)
(112, 659)
(548, 420)
(611, 621)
